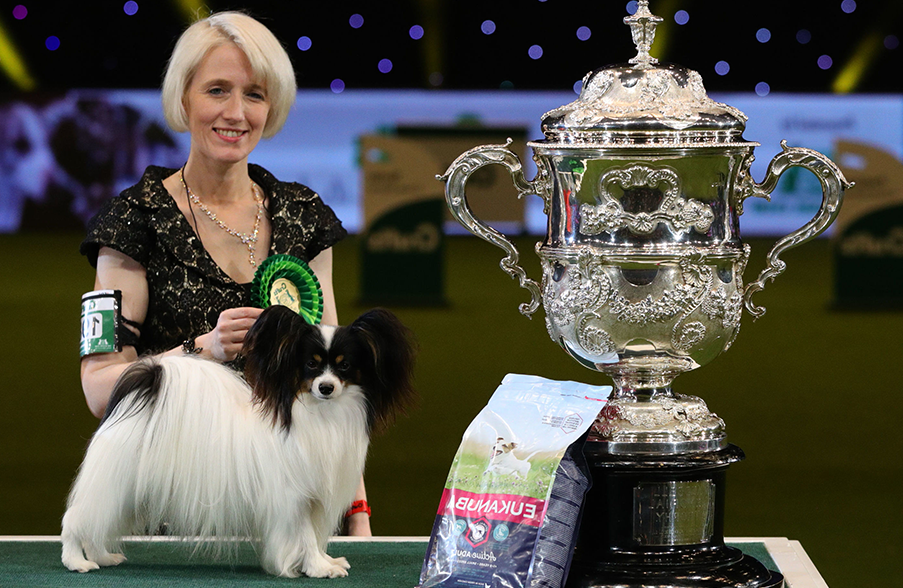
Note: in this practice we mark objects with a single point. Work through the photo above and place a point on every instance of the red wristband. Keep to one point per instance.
(358, 506)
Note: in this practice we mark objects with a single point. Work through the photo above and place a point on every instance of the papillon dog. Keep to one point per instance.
(276, 457)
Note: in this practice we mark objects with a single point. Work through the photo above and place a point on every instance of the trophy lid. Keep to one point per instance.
(642, 104)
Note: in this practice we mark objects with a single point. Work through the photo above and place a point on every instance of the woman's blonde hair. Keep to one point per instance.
(269, 62)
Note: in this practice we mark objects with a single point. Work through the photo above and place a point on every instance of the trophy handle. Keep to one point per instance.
(455, 179)
(833, 184)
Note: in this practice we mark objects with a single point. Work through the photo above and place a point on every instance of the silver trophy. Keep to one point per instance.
(643, 179)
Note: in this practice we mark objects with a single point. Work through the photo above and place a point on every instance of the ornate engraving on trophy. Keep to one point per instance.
(674, 513)
(677, 307)
(587, 289)
(678, 212)
(594, 338)
(689, 416)
(657, 94)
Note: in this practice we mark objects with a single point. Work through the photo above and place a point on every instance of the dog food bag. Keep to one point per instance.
(509, 513)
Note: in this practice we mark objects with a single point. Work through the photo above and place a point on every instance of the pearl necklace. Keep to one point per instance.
(247, 239)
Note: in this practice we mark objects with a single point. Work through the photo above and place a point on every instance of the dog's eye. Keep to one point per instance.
(312, 363)
(344, 366)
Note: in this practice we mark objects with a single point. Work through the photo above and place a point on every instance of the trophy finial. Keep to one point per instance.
(642, 28)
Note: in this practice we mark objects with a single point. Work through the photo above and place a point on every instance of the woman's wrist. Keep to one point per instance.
(197, 346)
(358, 506)
(190, 347)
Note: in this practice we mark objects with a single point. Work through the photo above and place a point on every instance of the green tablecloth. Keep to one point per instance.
(168, 564)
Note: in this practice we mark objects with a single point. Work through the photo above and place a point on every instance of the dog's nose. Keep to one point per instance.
(326, 389)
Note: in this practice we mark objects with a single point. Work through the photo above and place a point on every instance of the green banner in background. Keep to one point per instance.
(868, 233)
(402, 257)
(868, 257)
(405, 215)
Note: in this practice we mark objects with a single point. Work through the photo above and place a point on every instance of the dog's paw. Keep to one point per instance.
(110, 559)
(339, 561)
(336, 571)
(326, 569)
(80, 565)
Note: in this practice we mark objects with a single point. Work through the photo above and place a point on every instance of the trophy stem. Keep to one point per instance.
(645, 417)
(644, 388)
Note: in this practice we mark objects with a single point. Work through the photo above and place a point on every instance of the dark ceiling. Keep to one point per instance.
(100, 46)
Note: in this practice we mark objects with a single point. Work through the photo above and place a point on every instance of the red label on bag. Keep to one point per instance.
(499, 507)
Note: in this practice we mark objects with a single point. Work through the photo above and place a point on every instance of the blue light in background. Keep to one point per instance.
(52, 42)
(722, 68)
(535, 52)
(681, 17)
(385, 65)
(130, 8)
(356, 21)
(416, 32)
(488, 27)
(304, 43)
(584, 33)
(763, 35)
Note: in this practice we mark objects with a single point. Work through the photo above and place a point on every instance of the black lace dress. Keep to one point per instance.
(187, 290)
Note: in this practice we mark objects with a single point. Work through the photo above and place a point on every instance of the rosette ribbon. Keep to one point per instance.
(289, 281)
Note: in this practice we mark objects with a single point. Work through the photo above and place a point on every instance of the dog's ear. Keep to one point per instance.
(272, 350)
(392, 347)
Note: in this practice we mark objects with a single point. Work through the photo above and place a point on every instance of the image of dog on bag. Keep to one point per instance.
(496, 460)
(505, 463)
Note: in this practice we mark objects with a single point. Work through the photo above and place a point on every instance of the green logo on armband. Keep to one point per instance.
(101, 315)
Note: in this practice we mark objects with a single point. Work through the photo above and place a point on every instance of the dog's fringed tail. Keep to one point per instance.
(143, 380)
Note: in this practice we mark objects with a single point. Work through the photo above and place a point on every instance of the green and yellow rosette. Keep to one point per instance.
(287, 280)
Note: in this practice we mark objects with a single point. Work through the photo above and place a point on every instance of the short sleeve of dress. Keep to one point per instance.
(328, 229)
(119, 225)
(304, 225)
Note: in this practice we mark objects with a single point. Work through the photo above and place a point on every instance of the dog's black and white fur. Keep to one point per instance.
(276, 458)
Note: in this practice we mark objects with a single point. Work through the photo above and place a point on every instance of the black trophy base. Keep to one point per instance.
(728, 568)
(653, 521)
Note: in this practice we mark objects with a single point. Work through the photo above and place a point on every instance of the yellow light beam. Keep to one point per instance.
(13, 64)
(192, 10)
(858, 64)
(867, 52)
(432, 45)
(663, 32)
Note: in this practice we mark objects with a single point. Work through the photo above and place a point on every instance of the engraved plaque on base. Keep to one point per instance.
(673, 512)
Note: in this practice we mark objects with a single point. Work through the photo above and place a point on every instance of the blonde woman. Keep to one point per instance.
(182, 245)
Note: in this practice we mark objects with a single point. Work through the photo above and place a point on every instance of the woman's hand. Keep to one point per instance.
(226, 339)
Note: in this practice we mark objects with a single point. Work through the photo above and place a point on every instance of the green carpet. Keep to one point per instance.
(811, 395)
(152, 564)
(155, 564)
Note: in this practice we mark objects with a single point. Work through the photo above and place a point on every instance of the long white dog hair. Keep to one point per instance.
(187, 443)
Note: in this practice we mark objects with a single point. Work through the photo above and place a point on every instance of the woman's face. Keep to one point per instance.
(227, 107)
